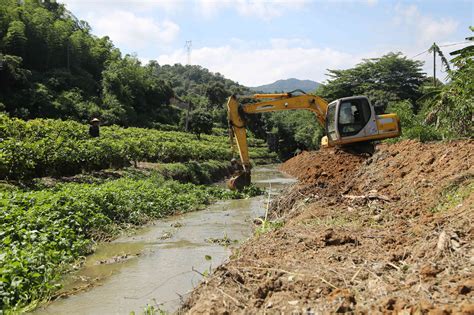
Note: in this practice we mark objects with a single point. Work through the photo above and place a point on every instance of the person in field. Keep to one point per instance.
(94, 130)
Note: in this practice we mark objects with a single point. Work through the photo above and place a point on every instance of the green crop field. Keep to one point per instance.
(46, 147)
(46, 228)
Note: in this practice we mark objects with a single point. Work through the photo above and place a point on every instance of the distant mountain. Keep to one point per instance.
(287, 85)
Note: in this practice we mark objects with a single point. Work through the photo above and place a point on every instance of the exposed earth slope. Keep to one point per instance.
(385, 233)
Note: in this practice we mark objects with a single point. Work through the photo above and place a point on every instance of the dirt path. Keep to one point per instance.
(387, 233)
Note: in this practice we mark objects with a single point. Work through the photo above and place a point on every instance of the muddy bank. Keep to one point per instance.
(387, 233)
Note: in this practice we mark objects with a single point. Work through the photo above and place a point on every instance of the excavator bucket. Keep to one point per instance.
(239, 180)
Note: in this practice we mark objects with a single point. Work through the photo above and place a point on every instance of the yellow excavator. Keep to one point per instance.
(349, 122)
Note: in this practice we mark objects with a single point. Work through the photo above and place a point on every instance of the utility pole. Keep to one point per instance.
(188, 46)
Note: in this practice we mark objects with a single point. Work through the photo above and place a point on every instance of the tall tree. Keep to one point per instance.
(390, 77)
(15, 40)
(217, 94)
(141, 93)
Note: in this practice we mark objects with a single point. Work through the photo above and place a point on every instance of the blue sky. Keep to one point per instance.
(259, 41)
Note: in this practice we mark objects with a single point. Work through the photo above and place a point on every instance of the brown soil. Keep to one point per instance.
(386, 234)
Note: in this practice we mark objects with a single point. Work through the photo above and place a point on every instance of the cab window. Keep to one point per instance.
(331, 121)
(353, 116)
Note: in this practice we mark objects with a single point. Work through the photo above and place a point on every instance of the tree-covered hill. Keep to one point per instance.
(51, 65)
(199, 85)
(288, 85)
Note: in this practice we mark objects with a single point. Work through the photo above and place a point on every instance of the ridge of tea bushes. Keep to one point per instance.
(47, 147)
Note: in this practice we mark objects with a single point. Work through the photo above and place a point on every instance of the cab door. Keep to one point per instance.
(356, 119)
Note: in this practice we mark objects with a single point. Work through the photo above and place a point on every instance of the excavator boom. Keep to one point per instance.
(269, 103)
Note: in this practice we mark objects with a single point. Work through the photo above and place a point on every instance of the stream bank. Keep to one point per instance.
(387, 234)
(163, 262)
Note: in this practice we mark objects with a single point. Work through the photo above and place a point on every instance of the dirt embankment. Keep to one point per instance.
(393, 232)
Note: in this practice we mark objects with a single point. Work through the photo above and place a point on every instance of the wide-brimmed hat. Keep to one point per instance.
(95, 119)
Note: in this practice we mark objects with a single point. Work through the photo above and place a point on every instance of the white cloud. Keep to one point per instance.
(425, 28)
(264, 65)
(289, 42)
(267, 10)
(127, 29)
(263, 9)
(106, 5)
(209, 8)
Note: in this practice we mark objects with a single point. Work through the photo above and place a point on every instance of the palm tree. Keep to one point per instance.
(446, 99)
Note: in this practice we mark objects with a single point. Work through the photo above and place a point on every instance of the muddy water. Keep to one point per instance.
(161, 263)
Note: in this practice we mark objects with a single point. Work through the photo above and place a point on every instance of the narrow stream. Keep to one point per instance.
(161, 263)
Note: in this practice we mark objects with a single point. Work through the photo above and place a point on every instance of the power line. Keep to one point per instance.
(420, 54)
(447, 45)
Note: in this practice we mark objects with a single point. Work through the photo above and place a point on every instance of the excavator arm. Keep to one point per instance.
(268, 103)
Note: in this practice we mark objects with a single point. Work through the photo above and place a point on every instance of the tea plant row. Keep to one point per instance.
(46, 147)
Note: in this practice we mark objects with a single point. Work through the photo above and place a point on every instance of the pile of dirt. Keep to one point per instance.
(391, 232)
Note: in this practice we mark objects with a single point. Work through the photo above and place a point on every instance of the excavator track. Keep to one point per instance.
(359, 148)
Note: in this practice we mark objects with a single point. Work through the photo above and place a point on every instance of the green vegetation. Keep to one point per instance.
(52, 147)
(200, 122)
(52, 66)
(413, 126)
(57, 148)
(43, 231)
(55, 76)
(199, 86)
(267, 226)
(151, 309)
(390, 78)
(455, 194)
(449, 108)
(196, 172)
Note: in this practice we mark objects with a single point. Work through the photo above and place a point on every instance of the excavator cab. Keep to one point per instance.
(350, 123)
